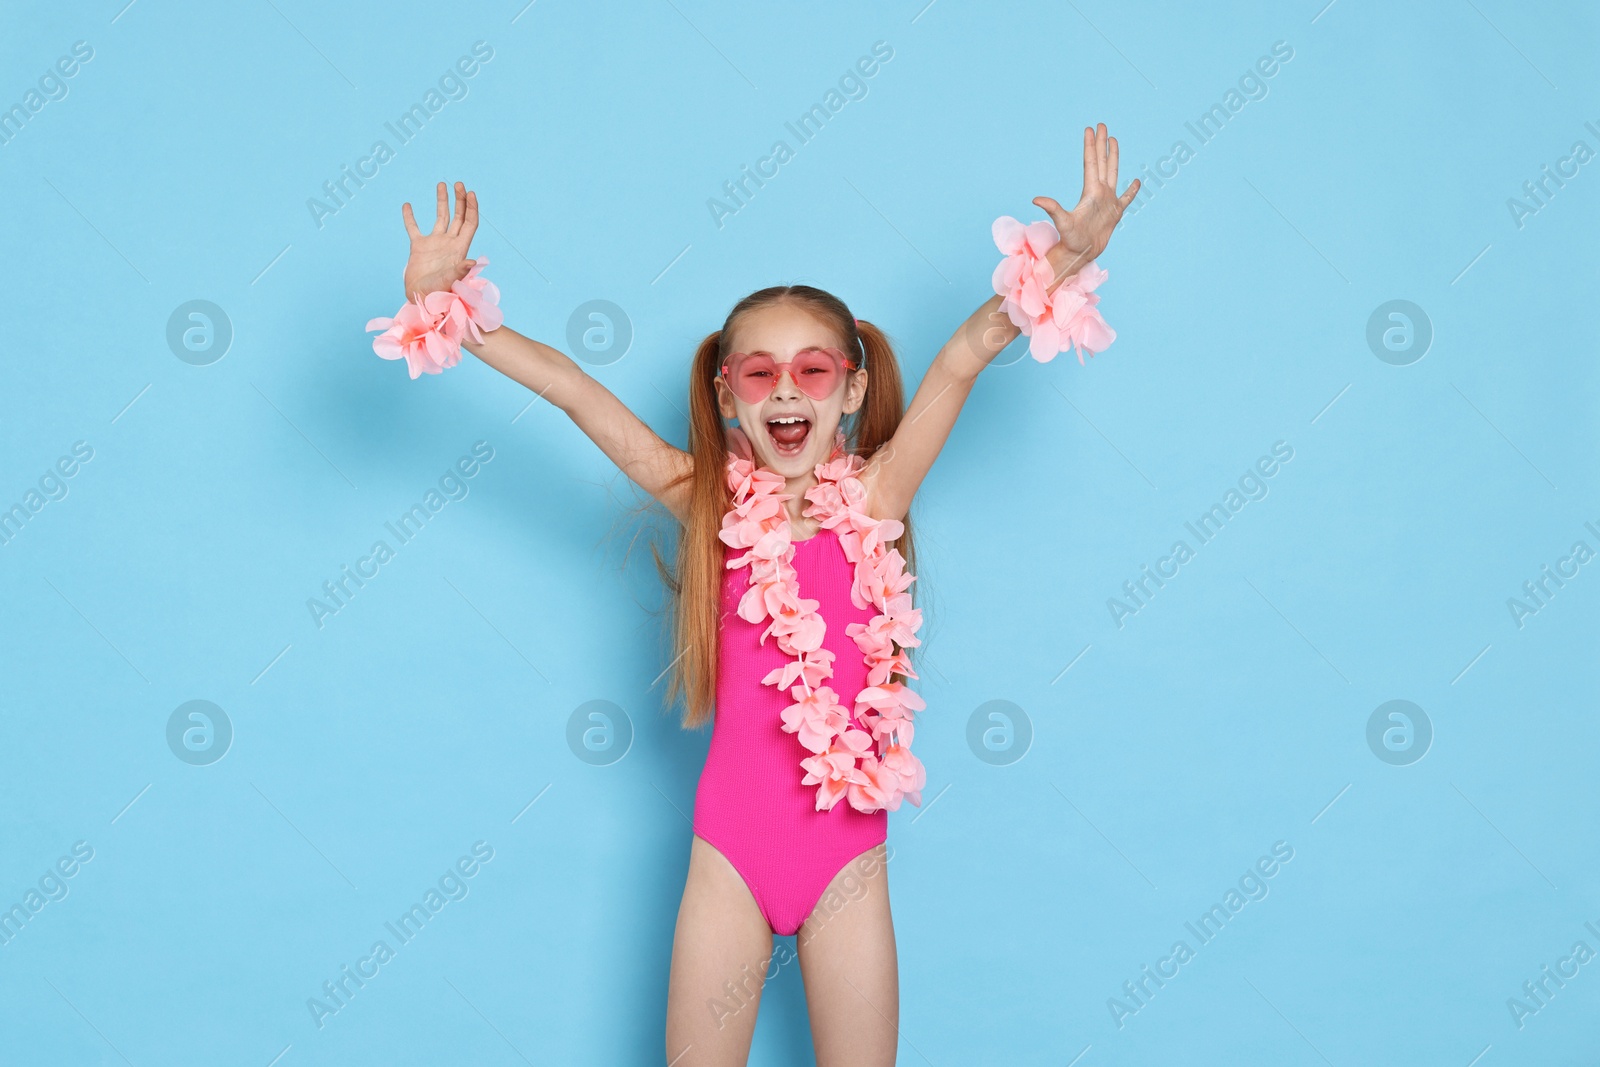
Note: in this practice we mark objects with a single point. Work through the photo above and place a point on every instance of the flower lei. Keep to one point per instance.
(873, 768)
(427, 331)
(1056, 321)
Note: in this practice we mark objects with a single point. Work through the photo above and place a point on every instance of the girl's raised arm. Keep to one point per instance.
(893, 474)
(439, 259)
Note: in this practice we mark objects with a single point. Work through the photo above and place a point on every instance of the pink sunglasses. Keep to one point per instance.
(816, 371)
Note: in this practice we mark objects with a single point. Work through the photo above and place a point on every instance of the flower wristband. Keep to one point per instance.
(428, 330)
(1056, 321)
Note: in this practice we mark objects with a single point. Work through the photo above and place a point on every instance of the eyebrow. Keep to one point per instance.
(808, 348)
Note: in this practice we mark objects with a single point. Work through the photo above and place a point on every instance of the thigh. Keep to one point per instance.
(720, 953)
(847, 959)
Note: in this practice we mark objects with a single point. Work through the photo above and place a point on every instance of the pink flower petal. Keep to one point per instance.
(427, 331)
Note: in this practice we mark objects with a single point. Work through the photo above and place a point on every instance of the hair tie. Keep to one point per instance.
(428, 330)
(1056, 321)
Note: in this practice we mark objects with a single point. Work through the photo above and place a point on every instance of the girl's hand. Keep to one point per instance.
(1086, 229)
(439, 259)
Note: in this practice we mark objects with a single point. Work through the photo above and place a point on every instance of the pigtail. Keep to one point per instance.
(697, 584)
(882, 411)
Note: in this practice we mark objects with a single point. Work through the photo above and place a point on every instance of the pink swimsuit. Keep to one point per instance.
(750, 804)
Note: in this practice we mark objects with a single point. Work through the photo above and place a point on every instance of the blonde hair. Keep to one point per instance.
(694, 582)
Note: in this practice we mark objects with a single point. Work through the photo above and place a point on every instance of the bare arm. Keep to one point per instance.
(895, 472)
(439, 259)
(636, 449)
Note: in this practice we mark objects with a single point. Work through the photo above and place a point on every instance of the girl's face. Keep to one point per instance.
(792, 450)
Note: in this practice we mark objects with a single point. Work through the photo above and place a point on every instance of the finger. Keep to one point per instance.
(442, 209)
(1100, 150)
(470, 225)
(1057, 213)
(1111, 166)
(1127, 198)
(410, 221)
(1091, 170)
(460, 215)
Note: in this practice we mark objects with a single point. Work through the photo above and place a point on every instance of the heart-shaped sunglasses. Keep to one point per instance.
(816, 371)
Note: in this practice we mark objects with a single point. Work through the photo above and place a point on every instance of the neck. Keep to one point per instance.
(797, 502)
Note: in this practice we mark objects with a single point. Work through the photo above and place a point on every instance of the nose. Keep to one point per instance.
(779, 387)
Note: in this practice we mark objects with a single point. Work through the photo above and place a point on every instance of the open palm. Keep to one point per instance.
(1086, 229)
(439, 259)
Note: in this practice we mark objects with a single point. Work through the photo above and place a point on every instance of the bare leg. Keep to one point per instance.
(852, 977)
(720, 954)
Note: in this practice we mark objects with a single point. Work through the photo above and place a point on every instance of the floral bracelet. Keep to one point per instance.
(428, 330)
(1056, 321)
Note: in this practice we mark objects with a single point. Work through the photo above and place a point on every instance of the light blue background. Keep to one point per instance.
(1228, 714)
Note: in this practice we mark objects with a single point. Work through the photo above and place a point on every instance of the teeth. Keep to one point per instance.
(786, 420)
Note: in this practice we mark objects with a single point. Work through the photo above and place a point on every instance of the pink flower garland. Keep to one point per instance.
(872, 768)
(427, 331)
(1056, 321)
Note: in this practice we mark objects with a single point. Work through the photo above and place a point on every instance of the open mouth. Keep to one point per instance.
(789, 433)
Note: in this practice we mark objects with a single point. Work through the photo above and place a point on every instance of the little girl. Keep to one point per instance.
(793, 615)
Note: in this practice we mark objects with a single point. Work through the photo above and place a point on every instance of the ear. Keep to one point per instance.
(724, 399)
(856, 392)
